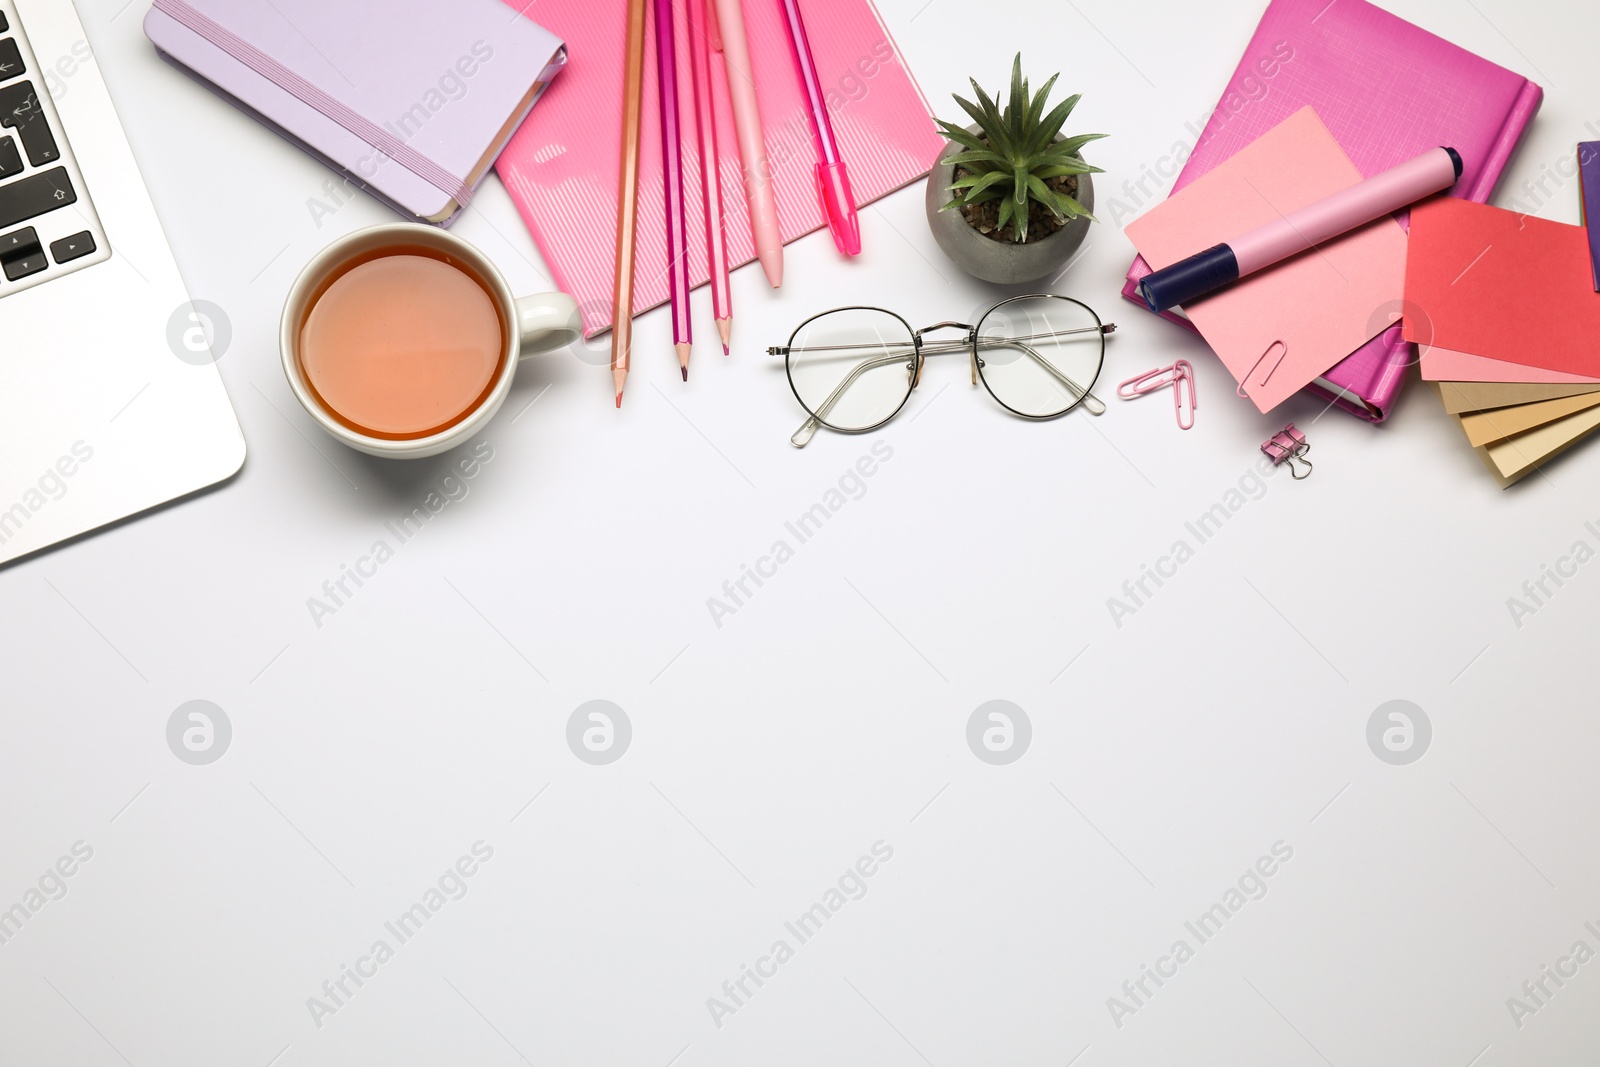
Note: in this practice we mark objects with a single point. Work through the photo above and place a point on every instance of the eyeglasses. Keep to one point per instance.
(853, 368)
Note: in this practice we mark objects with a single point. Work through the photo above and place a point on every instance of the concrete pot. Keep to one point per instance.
(999, 261)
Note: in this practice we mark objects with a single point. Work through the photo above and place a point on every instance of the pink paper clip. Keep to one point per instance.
(1179, 376)
(1288, 444)
(1148, 382)
(1185, 378)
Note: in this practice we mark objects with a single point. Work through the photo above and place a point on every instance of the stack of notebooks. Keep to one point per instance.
(1505, 312)
(1278, 330)
(1344, 91)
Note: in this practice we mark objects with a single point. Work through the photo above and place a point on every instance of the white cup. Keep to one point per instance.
(531, 325)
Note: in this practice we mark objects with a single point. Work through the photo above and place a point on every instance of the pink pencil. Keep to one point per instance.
(702, 39)
(672, 167)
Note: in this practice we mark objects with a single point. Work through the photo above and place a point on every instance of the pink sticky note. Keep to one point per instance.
(1322, 304)
(1444, 365)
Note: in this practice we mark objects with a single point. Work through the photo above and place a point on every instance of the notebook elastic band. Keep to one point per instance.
(284, 78)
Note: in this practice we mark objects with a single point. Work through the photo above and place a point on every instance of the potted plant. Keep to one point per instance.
(1022, 196)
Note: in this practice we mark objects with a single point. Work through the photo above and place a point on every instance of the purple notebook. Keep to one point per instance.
(1388, 91)
(412, 100)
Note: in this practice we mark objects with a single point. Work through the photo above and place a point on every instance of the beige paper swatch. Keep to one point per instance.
(1486, 427)
(1483, 396)
(1515, 457)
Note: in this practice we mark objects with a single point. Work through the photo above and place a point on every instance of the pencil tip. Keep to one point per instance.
(685, 373)
(619, 401)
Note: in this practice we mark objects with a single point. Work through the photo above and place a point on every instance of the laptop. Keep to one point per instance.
(110, 399)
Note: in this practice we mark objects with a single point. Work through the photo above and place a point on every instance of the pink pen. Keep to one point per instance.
(672, 180)
(833, 183)
(710, 160)
(735, 48)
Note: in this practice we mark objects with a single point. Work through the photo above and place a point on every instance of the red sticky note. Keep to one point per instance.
(1503, 285)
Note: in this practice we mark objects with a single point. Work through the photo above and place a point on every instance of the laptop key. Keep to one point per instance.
(75, 247)
(10, 60)
(20, 254)
(20, 109)
(34, 195)
(19, 243)
(24, 266)
(10, 157)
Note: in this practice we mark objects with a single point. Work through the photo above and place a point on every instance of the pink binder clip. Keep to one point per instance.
(1288, 444)
(1180, 376)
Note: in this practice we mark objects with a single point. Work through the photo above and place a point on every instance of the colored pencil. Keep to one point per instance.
(672, 185)
(703, 36)
(627, 196)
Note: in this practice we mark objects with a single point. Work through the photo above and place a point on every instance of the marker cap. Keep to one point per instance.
(1189, 278)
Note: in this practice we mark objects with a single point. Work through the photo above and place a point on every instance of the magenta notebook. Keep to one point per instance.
(561, 167)
(1387, 90)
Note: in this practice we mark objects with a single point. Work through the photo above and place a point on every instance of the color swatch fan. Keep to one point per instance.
(1502, 306)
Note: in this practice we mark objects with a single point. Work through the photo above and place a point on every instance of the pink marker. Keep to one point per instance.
(833, 182)
(1288, 235)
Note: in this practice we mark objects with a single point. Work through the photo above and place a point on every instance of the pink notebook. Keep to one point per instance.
(1278, 329)
(561, 167)
(1388, 91)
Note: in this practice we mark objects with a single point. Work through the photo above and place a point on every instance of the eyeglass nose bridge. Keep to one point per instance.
(972, 333)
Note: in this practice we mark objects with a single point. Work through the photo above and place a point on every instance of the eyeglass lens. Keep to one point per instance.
(1040, 355)
(853, 369)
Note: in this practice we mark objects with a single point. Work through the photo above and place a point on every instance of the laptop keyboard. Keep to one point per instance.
(48, 228)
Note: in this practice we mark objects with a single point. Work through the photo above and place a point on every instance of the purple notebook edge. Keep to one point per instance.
(1376, 372)
(1589, 173)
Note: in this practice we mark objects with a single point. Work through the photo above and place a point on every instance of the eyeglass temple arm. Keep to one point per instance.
(808, 429)
(932, 348)
(943, 347)
(1091, 402)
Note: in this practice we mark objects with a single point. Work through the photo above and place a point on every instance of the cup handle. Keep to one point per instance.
(547, 322)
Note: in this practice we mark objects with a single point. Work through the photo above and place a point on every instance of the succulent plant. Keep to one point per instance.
(1015, 153)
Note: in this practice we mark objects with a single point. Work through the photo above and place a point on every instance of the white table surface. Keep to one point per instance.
(769, 753)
